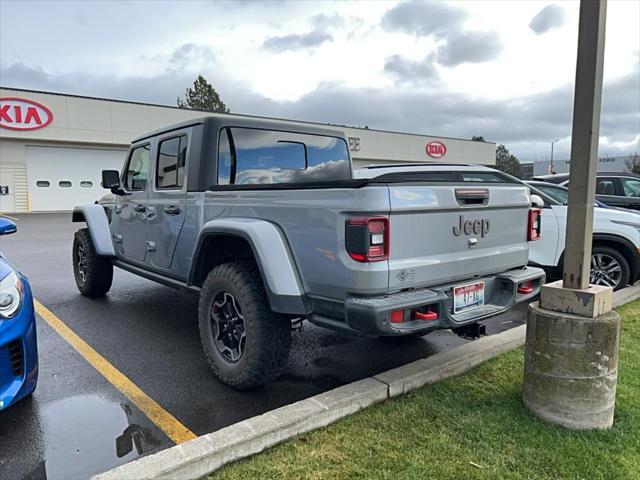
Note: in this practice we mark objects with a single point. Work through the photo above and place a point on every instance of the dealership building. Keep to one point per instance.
(53, 147)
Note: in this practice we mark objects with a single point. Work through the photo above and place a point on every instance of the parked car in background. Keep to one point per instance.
(615, 257)
(266, 222)
(612, 188)
(18, 347)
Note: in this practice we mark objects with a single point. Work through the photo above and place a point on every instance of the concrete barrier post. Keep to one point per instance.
(571, 357)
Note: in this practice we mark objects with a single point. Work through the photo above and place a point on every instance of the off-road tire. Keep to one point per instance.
(268, 334)
(97, 272)
(622, 261)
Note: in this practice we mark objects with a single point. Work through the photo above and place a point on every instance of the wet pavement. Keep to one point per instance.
(78, 424)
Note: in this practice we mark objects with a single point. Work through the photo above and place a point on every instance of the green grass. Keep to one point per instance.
(472, 426)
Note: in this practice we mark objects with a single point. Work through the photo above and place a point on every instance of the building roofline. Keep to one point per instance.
(278, 119)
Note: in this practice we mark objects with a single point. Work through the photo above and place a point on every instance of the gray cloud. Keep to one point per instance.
(423, 18)
(323, 21)
(297, 41)
(522, 123)
(185, 55)
(551, 16)
(469, 47)
(411, 71)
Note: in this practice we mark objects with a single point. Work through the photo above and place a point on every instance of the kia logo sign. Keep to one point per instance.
(23, 114)
(436, 149)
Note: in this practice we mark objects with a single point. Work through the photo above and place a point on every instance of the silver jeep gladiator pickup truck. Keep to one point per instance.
(268, 224)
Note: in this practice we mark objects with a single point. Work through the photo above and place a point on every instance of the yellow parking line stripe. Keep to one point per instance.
(7, 216)
(175, 430)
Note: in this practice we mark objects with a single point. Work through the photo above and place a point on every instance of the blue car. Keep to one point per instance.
(18, 348)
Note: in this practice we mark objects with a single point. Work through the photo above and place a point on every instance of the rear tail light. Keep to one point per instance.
(367, 238)
(535, 224)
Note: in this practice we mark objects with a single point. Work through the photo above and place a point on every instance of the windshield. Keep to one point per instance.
(559, 194)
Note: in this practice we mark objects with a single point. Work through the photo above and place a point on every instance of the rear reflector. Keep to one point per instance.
(397, 316)
(535, 224)
(367, 238)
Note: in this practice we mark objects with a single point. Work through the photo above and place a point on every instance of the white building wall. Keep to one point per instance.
(88, 123)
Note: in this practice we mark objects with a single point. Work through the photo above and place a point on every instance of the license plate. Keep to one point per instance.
(466, 297)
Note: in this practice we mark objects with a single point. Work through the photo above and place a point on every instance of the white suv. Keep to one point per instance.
(615, 258)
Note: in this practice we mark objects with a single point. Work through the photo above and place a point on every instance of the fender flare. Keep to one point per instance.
(272, 254)
(96, 219)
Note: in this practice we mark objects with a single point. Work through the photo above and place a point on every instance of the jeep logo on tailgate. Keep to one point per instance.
(469, 227)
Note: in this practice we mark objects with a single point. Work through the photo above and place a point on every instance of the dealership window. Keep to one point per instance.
(86, 184)
(137, 169)
(43, 183)
(64, 183)
(172, 155)
(249, 156)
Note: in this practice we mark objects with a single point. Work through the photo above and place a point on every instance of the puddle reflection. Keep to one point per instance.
(80, 436)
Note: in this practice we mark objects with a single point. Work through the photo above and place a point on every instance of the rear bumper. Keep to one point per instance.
(371, 315)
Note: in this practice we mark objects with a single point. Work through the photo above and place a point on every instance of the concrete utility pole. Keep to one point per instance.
(584, 143)
(571, 350)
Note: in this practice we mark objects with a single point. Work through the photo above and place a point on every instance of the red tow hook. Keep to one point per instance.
(429, 316)
(525, 288)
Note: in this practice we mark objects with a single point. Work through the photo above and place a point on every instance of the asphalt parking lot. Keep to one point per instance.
(78, 423)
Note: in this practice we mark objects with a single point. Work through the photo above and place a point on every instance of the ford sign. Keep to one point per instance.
(436, 149)
(23, 114)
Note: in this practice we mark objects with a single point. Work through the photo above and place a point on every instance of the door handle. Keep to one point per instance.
(172, 210)
(140, 208)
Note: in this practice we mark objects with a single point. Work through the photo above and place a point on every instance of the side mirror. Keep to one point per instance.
(7, 226)
(537, 201)
(111, 181)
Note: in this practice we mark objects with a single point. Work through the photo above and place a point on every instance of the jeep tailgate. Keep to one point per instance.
(444, 233)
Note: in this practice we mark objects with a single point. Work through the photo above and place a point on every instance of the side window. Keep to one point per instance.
(605, 186)
(172, 155)
(631, 187)
(249, 156)
(224, 159)
(137, 169)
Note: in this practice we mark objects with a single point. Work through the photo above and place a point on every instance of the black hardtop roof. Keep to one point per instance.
(215, 122)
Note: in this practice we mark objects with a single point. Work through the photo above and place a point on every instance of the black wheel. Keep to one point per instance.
(609, 268)
(246, 344)
(94, 274)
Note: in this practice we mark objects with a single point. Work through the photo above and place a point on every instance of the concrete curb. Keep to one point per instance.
(626, 295)
(208, 453)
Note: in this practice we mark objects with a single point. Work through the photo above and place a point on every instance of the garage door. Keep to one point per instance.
(61, 178)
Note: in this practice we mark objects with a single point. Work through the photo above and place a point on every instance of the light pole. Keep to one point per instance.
(551, 166)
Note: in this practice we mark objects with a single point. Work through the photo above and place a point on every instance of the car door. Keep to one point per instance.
(630, 187)
(167, 202)
(130, 241)
(544, 252)
(607, 191)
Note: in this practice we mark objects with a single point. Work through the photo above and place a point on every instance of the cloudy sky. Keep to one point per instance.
(504, 70)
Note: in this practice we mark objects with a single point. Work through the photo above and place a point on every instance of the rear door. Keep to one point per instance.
(608, 191)
(630, 192)
(442, 231)
(167, 202)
